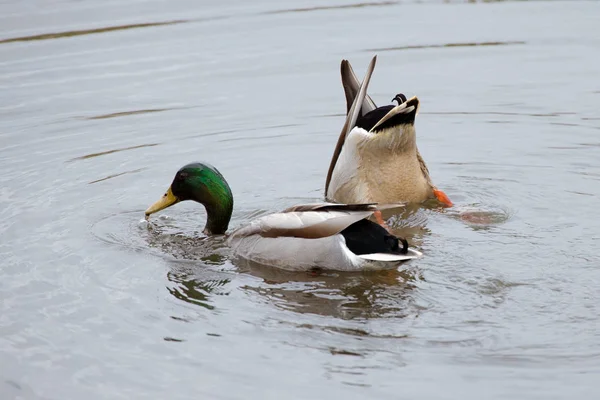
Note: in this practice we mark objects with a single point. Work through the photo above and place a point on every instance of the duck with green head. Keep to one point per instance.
(323, 235)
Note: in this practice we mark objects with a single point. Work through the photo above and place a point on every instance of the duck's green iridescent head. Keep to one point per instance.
(204, 184)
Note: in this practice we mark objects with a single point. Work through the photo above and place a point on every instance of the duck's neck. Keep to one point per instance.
(217, 199)
(218, 216)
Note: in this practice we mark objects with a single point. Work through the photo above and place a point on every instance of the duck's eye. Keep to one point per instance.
(165, 195)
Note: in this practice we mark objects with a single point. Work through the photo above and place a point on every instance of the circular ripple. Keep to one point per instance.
(179, 236)
(479, 215)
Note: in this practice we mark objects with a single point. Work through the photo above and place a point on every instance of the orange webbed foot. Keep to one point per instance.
(380, 221)
(442, 198)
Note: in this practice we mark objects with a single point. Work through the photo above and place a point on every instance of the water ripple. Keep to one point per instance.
(343, 6)
(47, 36)
(445, 45)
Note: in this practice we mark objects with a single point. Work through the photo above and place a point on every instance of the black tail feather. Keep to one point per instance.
(367, 237)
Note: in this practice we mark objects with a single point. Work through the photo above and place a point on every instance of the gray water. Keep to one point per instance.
(102, 101)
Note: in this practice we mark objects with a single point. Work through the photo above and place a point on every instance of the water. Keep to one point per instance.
(102, 101)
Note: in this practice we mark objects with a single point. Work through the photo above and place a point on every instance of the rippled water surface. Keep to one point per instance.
(102, 101)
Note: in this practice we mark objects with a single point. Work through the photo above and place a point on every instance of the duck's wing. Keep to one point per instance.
(327, 206)
(351, 118)
(310, 221)
(424, 168)
(351, 87)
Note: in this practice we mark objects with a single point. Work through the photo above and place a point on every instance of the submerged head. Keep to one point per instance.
(203, 183)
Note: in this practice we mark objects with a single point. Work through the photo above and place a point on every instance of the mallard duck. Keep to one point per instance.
(324, 235)
(376, 158)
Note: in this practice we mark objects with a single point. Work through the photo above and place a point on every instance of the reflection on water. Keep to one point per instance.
(344, 295)
(339, 295)
(189, 283)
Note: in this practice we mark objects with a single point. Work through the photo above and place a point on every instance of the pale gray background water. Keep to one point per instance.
(94, 125)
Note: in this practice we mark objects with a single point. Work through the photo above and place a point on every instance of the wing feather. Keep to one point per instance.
(311, 221)
(302, 224)
(332, 206)
(351, 86)
(310, 224)
(351, 118)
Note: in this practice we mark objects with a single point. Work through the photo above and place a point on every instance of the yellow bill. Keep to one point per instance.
(167, 200)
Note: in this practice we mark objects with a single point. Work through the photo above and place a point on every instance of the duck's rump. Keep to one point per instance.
(367, 237)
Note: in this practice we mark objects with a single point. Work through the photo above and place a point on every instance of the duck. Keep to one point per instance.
(304, 237)
(376, 159)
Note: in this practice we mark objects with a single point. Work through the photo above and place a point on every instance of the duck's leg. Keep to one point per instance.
(380, 221)
(442, 197)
